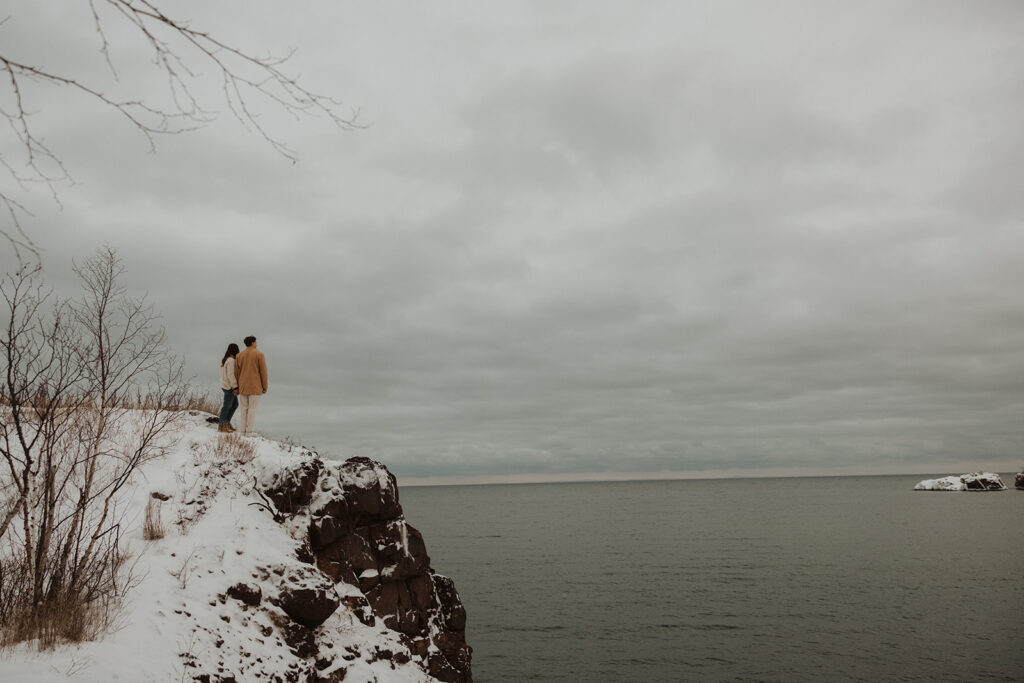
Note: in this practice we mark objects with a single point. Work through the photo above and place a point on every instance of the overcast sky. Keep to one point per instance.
(584, 238)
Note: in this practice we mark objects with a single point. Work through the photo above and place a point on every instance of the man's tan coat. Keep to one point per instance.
(251, 371)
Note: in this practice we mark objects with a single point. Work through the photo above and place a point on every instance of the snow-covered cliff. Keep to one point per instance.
(274, 564)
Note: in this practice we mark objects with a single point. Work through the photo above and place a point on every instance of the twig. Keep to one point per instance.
(266, 504)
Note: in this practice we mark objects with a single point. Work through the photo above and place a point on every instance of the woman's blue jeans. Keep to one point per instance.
(229, 407)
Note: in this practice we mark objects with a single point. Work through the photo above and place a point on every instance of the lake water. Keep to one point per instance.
(809, 579)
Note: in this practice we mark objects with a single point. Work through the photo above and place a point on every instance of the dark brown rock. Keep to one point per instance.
(249, 593)
(304, 553)
(443, 670)
(983, 482)
(368, 580)
(449, 604)
(358, 605)
(309, 606)
(408, 621)
(419, 647)
(421, 590)
(392, 602)
(384, 599)
(370, 503)
(335, 676)
(293, 487)
(300, 640)
(400, 549)
(323, 531)
(336, 566)
(335, 507)
(358, 535)
(360, 553)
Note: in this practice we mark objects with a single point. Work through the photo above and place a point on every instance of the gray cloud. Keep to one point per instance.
(682, 237)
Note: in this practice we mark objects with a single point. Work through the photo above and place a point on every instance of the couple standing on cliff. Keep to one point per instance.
(243, 378)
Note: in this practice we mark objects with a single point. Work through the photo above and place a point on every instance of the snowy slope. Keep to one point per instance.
(179, 622)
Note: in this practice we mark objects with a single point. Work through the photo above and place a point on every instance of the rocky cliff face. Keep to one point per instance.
(356, 534)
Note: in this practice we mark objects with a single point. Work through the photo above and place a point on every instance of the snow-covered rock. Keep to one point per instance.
(358, 536)
(972, 481)
(275, 565)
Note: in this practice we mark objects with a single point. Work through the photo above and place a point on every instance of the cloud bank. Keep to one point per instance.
(679, 237)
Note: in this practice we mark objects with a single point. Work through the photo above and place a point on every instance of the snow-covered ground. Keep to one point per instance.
(178, 621)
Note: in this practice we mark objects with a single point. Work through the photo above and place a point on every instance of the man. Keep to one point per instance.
(251, 372)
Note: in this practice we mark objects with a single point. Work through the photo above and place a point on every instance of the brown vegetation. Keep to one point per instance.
(152, 527)
(235, 448)
(68, 445)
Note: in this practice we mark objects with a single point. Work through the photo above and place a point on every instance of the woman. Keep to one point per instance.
(230, 386)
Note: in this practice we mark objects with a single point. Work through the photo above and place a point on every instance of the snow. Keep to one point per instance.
(214, 539)
(942, 484)
(958, 483)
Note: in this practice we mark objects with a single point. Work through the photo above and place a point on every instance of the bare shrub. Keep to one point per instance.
(68, 446)
(185, 571)
(66, 617)
(13, 584)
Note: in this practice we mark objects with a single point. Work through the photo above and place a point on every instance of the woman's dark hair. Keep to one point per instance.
(230, 353)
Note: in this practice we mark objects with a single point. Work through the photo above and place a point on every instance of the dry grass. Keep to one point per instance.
(228, 448)
(180, 400)
(236, 448)
(184, 399)
(202, 402)
(67, 619)
(152, 528)
(64, 618)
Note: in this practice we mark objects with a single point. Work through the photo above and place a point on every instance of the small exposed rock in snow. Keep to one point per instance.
(972, 481)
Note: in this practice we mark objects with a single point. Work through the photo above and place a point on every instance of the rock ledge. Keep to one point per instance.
(356, 533)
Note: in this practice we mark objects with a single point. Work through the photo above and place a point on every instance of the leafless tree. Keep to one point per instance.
(68, 441)
(180, 53)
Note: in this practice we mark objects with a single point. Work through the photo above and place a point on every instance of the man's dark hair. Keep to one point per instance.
(250, 340)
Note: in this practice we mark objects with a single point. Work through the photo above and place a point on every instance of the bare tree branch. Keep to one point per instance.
(69, 444)
(248, 82)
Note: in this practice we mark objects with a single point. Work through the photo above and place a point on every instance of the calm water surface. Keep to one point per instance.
(848, 578)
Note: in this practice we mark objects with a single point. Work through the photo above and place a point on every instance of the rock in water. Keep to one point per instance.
(1018, 481)
(972, 481)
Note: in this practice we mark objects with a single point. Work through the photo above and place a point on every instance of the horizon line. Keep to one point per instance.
(770, 473)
